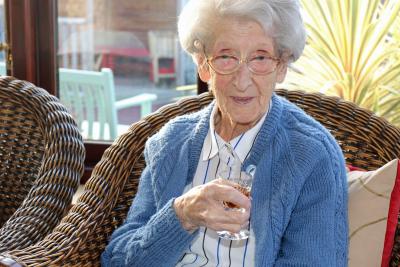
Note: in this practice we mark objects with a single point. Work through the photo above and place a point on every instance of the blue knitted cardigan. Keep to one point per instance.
(299, 206)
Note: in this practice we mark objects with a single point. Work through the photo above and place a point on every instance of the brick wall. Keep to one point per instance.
(77, 8)
(72, 8)
(125, 14)
(143, 15)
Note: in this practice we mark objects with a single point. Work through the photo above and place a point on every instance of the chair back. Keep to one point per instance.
(90, 96)
(41, 162)
(3, 69)
(367, 142)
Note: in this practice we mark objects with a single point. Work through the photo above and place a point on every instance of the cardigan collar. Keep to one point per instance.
(265, 135)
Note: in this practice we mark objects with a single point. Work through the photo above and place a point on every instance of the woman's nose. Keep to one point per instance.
(242, 77)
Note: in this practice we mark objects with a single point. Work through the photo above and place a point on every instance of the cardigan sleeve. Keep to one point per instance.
(149, 237)
(317, 231)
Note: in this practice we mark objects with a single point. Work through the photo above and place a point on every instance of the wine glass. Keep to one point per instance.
(243, 181)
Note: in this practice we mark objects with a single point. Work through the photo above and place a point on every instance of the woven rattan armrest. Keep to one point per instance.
(41, 160)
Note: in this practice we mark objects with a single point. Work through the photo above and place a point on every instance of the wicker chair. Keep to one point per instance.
(367, 142)
(41, 162)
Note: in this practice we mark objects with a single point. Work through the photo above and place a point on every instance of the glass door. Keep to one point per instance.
(119, 61)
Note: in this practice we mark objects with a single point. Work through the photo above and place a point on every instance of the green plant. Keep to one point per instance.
(350, 53)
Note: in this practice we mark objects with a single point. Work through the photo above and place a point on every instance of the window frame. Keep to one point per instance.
(33, 43)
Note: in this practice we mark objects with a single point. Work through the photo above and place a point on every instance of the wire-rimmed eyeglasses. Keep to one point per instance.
(260, 63)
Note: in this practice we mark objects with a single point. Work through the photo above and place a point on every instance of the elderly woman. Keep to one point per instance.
(298, 203)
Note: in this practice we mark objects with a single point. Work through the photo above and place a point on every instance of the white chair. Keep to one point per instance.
(3, 69)
(163, 45)
(90, 97)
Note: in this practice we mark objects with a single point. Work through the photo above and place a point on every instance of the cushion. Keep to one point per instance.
(374, 203)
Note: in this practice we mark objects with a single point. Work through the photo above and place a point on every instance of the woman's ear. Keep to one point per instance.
(203, 69)
(282, 67)
(281, 72)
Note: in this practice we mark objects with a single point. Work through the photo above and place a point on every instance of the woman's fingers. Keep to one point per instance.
(228, 192)
(230, 220)
(226, 216)
(207, 205)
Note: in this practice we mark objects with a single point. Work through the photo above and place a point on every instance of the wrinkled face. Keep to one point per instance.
(242, 97)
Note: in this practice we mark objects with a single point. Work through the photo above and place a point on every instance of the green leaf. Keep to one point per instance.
(352, 51)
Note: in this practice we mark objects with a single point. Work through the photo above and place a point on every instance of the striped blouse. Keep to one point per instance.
(207, 249)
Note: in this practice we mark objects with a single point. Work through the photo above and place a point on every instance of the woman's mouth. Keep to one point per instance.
(242, 100)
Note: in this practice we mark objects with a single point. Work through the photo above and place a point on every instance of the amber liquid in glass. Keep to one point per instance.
(244, 190)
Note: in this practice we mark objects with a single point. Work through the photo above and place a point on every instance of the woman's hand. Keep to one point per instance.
(203, 206)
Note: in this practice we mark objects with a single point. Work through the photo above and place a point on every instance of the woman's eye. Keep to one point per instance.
(260, 58)
(224, 57)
